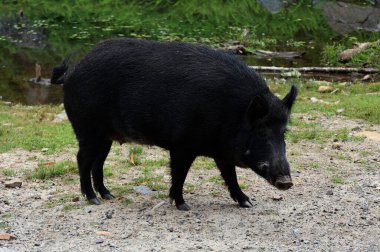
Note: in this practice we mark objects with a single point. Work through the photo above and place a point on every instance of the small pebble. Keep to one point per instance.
(296, 232)
(13, 184)
(99, 240)
(329, 192)
(109, 214)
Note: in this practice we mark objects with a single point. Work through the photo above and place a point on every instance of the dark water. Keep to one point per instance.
(16, 87)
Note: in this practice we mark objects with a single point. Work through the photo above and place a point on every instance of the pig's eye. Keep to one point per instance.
(247, 153)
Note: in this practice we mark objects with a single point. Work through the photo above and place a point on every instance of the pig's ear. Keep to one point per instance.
(290, 98)
(258, 108)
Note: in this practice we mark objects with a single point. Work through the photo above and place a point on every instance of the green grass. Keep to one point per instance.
(217, 179)
(357, 100)
(31, 128)
(155, 163)
(126, 202)
(203, 163)
(371, 55)
(160, 196)
(70, 206)
(320, 135)
(121, 190)
(337, 179)
(243, 185)
(47, 171)
(107, 171)
(4, 225)
(198, 21)
(135, 151)
(9, 172)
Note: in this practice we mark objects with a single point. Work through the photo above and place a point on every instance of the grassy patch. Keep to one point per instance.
(107, 171)
(121, 190)
(126, 202)
(9, 172)
(51, 170)
(31, 128)
(203, 163)
(160, 196)
(3, 225)
(70, 206)
(320, 135)
(188, 188)
(358, 100)
(337, 179)
(135, 153)
(66, 200)
(371, 55)
(154, 163)
(217, 179)
(243, 184)
(195, 21)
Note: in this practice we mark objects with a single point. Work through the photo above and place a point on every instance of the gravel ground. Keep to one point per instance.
(334, 206)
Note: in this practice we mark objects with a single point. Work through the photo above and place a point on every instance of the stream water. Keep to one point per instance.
(16, 87)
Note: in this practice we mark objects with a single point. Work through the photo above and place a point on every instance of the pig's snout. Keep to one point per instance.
(283, 183)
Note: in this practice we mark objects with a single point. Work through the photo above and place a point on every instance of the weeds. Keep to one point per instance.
(31, 128)
(51, 170)
(337, 179)
(9, 172)
(135, 153)
(371, 56)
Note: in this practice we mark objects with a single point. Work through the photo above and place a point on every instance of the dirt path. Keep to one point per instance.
(334, 206)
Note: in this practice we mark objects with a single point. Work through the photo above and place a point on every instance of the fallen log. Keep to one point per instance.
(236, 49)
(331, 70)
(284, 55)
(346, 55)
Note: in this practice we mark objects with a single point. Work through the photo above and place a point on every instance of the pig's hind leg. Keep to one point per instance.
(93, 150)
(97, 169)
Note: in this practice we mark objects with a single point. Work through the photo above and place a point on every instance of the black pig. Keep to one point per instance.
(188, 99)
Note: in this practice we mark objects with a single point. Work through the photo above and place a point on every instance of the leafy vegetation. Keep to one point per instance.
(197, 21)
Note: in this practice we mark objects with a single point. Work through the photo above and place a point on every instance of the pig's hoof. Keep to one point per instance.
(246, 203)
(108, 196)
(183, 207)
(94, 201)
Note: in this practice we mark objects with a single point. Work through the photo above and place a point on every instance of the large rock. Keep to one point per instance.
(344, 17)
(13, 183)
(273, 6)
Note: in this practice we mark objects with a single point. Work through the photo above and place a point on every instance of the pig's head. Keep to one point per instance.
(261, 143)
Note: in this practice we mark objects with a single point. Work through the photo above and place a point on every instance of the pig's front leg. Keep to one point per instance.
(228, 173)
(180, 162)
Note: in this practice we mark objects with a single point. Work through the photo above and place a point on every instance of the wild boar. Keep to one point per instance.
(188, 99)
